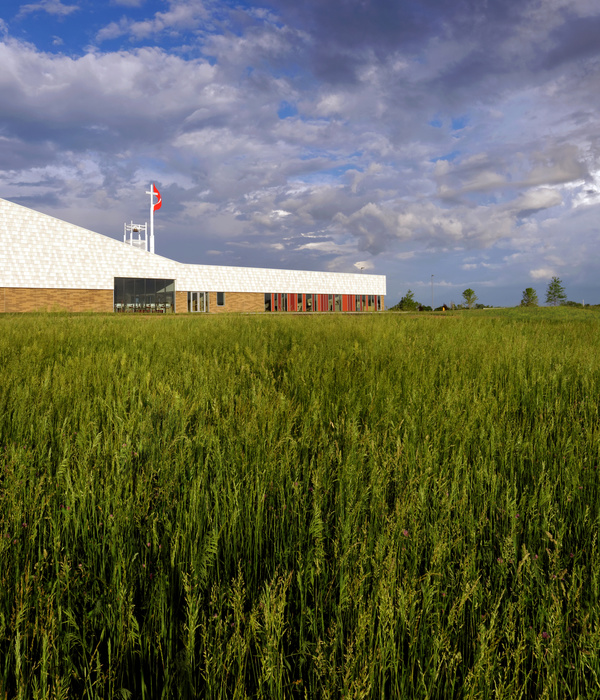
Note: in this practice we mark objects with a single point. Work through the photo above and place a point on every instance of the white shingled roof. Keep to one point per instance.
(40, 251)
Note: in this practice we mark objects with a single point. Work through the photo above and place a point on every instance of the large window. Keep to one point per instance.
(138, 295)
(323, 302)
(220, 298)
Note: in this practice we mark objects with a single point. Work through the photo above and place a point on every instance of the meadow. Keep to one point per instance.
(376, 506)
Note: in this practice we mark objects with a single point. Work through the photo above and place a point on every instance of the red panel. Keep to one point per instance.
(292, 302)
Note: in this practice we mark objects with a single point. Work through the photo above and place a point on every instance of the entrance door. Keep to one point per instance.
(197, 302)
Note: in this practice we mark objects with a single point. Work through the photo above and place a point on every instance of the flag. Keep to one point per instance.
(158, 204)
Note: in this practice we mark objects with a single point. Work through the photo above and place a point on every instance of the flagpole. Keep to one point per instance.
(151, 193)
(152, 218)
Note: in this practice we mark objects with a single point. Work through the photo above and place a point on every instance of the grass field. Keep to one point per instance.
(381, 506)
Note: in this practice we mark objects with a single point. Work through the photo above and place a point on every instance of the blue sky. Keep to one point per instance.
(412, 139)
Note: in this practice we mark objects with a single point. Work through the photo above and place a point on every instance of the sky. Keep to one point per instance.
(446, 145)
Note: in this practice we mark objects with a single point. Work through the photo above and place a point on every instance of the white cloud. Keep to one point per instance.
(179, 17)
(536, 200)
(369, 166)
(542, 273)
(52, 7)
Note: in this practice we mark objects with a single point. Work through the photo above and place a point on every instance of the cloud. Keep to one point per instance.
(542, 273)
(536, 200)
(370, 162)
(52, 7)
(179, 17)
(128, 3)
(96, 100)
(560, 164)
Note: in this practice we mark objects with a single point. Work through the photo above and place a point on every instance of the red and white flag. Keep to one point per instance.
(158, 204)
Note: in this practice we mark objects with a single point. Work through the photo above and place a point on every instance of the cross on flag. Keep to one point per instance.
(158, 204)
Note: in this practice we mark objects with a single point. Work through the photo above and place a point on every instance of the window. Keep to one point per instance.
(330, 304)
(267, 302)
(309, 302)
(220, 298)
(139, 295)
(299, 306)
(338, 302)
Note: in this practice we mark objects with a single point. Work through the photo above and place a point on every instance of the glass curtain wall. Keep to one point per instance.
(139, 295)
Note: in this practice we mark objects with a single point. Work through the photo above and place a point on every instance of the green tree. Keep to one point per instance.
(408, 303)
(555, 293)
(530, 297)
(470, 297)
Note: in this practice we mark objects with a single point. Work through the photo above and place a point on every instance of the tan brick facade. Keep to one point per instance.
(181, 304)
(15, 300)
(242, 302)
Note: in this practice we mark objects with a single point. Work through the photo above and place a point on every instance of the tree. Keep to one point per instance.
(470, 297)
(408, 303)
(530, 297)
(555, 293)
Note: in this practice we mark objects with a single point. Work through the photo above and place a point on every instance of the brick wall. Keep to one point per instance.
(244, 302)
(15, 300)
(181, 306)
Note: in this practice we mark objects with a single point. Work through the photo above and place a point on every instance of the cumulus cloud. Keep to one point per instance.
(535, 200)
(180, 16)
(542, 273)
(317, 134)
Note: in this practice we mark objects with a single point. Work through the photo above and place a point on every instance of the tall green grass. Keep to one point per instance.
(300, 507)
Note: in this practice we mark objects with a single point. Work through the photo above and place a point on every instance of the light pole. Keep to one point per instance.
(432, 292)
